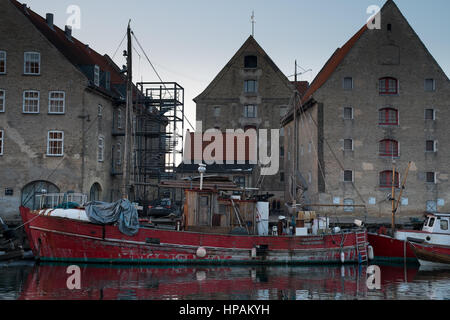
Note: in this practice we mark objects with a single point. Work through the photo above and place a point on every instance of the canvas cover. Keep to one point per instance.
(122, 211)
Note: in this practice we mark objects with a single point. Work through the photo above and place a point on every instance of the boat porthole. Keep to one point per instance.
(428, 238)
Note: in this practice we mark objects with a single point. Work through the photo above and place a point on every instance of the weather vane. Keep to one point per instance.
(253, 21)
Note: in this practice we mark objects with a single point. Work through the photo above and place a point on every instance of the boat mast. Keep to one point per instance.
(294, 153)
(129, 102)
(393, 199)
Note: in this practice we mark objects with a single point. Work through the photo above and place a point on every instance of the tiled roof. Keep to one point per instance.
(302, 86)
(74, 50)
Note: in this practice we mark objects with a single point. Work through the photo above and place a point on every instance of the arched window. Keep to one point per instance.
(388, 117)
(388, 148)
(386, 179)
(32, 191)
(95, 192)
(388, 85)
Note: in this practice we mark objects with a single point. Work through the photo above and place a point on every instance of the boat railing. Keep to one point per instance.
(53, 200)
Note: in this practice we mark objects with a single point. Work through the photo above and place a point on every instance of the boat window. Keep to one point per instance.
(431, 222)
(444, 224)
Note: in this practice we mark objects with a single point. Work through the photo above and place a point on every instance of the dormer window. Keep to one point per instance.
(97, 75)
(251, 62)
(32, 63)
(108, 81)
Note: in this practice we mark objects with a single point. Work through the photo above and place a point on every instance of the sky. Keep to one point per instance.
(190, 41)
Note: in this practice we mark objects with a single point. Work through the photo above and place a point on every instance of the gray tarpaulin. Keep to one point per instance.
(121, 211)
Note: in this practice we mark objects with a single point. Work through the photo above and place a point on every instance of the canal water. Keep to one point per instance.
(28, 281)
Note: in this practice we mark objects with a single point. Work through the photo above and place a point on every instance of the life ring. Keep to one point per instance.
(201, 252)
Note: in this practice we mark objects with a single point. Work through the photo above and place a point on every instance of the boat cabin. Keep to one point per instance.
(217, 205)
(437, 223)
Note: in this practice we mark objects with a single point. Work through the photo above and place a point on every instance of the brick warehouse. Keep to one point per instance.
(381, 97)
(62, 113)
(250, 92)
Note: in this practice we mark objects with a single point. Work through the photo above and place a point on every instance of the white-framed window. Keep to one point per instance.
(97, 75)
(2, 100)
(431, 146)
(348, 113)
(217, 111)
(119, 118)
(348, 176)
(250, 86)
(2, 139)
(99, 110)
(56, 102)
(55, 144)
(31, 101)
(348, 145)
(101, 149)
(32, 63)
(348, 83)
(119, 154)
(430, 114)
(430, 85)
(250, 111)
(2, 62)
(431, 177)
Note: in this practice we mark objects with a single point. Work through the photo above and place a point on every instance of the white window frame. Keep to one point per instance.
(247, 87)
(101, 149)
(353, 114)
(3, 53)
(99, 111)
(434, 85)
(97, 75)
(2, 101)
(119, 154)
(434, 114)
(2, 141)
(38, 101)
(50, 100)
(255, 111)
(435, 177)
(353, 176)
(56, 140)
(119, 118)
(434, 146)
(343, 83)
(353, 145)
(25, 60)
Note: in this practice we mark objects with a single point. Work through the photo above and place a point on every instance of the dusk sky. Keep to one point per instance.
(189, 42)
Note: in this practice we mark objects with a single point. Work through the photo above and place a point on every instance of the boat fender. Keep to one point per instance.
(342, 257)
(201, 252)
(370, 252)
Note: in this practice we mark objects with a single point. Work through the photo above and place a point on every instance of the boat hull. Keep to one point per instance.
(389, 249)
(65, 240)
(432, 255)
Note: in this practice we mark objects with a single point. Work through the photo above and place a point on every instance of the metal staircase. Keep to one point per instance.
(361, 246)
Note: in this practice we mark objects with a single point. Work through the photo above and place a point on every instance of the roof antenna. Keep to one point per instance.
(253, 21)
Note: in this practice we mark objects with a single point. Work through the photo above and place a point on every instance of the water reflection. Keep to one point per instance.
(99, 282)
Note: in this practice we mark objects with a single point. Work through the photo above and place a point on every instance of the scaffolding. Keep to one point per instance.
(158, 137)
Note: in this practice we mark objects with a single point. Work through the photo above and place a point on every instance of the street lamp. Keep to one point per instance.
(201, 170)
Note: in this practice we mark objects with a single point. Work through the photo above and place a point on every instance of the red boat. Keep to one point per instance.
(63, 239)
(435, 231)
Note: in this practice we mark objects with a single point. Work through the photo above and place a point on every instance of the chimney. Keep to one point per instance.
(68, 32)
(24, 6)
(49, 19)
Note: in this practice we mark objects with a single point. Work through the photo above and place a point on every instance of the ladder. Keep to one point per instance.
(361, 246)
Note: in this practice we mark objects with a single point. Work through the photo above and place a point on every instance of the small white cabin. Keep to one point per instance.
(437, 223)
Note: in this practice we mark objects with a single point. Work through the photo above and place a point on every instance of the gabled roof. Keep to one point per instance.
(332, 64)
(74, 50)
(248, 43)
